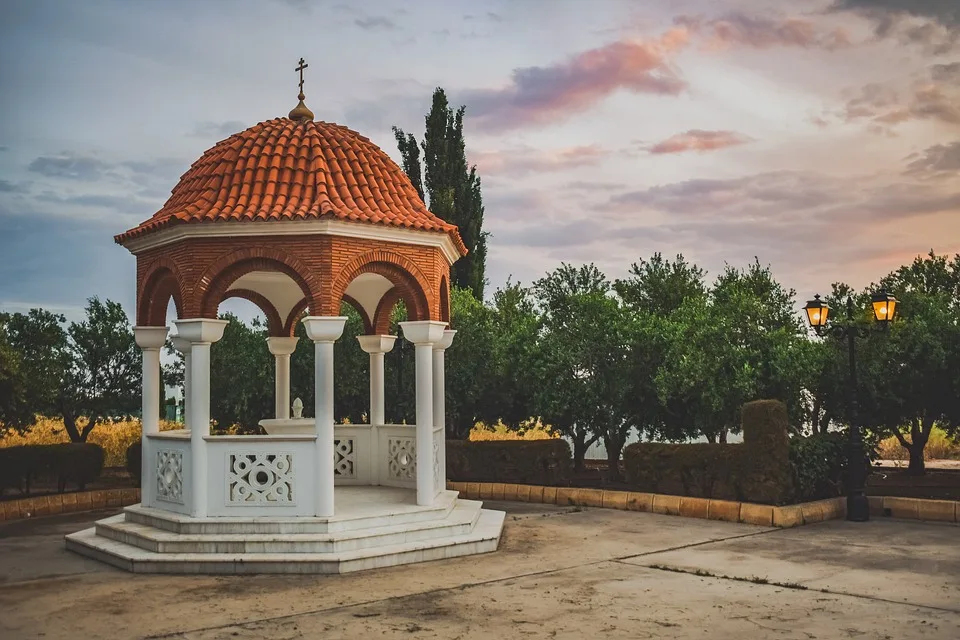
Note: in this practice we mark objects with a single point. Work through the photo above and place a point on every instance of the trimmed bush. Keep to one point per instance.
(819, 464)
(76, 463)
(135, 462)
(540, 462)
(756, 471)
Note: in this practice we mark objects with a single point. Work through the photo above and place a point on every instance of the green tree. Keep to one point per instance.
(471, 364)
(908, 375)
(659, 286)
(15, 413)
(574, 354)
(90, 369)
(107, 366)
(742, 343)
(452, 187)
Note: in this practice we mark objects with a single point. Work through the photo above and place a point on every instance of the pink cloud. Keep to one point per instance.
(548, 94)
(699, 140)
(524, 160)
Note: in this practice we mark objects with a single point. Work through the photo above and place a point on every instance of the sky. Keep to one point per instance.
(820, 136)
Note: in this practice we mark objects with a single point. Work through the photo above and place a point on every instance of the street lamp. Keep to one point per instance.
(818, 313)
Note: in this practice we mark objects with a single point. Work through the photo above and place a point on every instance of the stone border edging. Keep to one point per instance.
(915, 508)
(67, 503)
(708, 508)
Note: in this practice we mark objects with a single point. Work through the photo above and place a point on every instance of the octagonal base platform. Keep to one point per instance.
(374, 527)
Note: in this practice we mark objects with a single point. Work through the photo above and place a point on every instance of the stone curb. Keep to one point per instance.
(915, 508)
(745, 512)
(67, 503)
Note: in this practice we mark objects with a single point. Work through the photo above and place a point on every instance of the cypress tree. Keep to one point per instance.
(448, 185)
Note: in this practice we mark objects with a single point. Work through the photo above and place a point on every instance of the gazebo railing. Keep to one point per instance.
(276, 474)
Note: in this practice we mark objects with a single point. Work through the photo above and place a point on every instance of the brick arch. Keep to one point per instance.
(367, 322)
(161, 282)
(444, 299)
(381, 319)
(274, 323)
(407, 279)
(218, 277)
(290, 324)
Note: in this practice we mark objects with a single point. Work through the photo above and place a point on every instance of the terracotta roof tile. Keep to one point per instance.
(282, 169)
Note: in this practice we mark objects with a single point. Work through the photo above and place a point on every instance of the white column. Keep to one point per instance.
(200, 333)
(440, 401)
(183, 347)
(424, 334)
(281, 348)
(150, 340)
(376, 346)
(324, 331)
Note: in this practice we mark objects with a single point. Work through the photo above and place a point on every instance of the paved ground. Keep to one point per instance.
(560, 573)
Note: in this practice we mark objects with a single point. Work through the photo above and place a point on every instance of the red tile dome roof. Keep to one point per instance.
(284, 169)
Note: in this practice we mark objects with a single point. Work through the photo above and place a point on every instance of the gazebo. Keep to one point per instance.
(296, 216)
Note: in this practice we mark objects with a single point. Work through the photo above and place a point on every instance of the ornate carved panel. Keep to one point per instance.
(170, 475)
(402, 457)
(260, 479)
(344, 458)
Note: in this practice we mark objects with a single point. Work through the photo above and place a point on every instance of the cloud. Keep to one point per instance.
(218, 130)
(699, 140)
(68, 165)
(932, 25)
(11, 187)
(550, 94)
(376, 23)
(938, 160)
(884, 106)
(524, 160)
(946, 73)
(763, 32)
(945, 12)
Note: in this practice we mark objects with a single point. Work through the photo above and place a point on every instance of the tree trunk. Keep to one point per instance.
(918, 441)
(723, 436)
(917, 467)
(579, 450)
(70, 425)
(613, 446)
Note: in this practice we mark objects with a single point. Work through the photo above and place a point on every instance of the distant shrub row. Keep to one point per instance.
(71, 463)
(758, 470)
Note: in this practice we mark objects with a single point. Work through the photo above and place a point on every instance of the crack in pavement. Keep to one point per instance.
(702, 573)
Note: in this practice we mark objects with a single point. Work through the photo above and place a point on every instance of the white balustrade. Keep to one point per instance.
(276, 474)
(169, 471)
(262, 475)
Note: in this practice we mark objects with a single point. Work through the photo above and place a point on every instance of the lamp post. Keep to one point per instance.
(818, 312)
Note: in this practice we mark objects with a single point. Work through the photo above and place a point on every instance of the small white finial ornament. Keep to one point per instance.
(298, 408)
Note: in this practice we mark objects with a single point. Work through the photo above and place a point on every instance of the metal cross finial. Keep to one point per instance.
(301, 66)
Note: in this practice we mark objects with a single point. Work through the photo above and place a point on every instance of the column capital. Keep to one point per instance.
(202, 330)
(445, 341)
(150, 337)
(376, 344)
(423, 331)
(324, 328)
(282, 346)
(182, 345)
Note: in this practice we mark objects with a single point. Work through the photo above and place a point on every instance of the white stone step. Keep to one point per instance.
(350, 517)
(459, 521)
(484, 538)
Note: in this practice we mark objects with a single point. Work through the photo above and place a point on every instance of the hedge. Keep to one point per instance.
(78, 463)
(135, 462)
(757, 471)
(541, 462)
